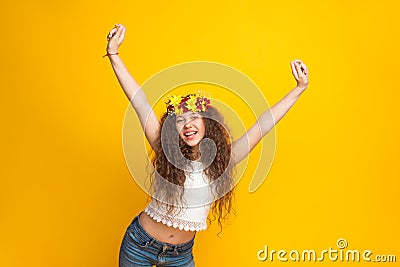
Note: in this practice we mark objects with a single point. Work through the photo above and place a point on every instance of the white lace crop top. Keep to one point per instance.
(198, 199)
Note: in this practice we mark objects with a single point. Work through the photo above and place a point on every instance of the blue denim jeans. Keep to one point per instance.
(139, 248)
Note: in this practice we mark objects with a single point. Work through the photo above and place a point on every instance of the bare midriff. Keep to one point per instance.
(163, 232)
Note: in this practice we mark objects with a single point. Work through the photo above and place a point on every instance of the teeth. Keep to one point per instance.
(190, 133)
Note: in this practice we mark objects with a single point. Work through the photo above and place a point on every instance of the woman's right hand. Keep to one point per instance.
(115, 38)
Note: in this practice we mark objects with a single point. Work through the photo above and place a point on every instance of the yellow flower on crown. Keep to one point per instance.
(178, 104)
(191, 104)
(175, 99)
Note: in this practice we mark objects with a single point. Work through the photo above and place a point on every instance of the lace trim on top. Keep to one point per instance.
(175, 222)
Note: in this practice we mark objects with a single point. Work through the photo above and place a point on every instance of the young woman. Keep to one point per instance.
(193, 161)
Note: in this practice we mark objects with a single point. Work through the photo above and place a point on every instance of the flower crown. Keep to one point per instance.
(178, 104)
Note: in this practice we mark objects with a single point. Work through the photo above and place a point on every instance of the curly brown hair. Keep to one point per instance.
(172, 156)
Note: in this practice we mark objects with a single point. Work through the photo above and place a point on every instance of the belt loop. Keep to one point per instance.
(176, 250)
(165, 247)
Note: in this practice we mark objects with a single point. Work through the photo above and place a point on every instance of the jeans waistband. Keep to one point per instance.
(137, 227)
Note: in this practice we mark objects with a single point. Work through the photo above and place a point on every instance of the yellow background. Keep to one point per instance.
(66, 195)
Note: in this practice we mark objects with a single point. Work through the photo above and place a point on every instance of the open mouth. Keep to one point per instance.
(190, 135)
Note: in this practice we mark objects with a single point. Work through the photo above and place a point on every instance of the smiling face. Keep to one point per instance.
(191, 128)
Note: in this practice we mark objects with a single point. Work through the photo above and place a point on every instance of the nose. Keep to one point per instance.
(188, 124)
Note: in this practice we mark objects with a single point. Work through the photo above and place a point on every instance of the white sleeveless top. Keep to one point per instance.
(197, 197)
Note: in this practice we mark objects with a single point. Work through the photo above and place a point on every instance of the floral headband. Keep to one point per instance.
(178, 104)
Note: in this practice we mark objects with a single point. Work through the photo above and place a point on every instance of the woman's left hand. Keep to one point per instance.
(300, 73)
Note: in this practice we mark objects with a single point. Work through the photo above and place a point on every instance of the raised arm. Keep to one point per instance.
(242, 146)
(135, 94)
